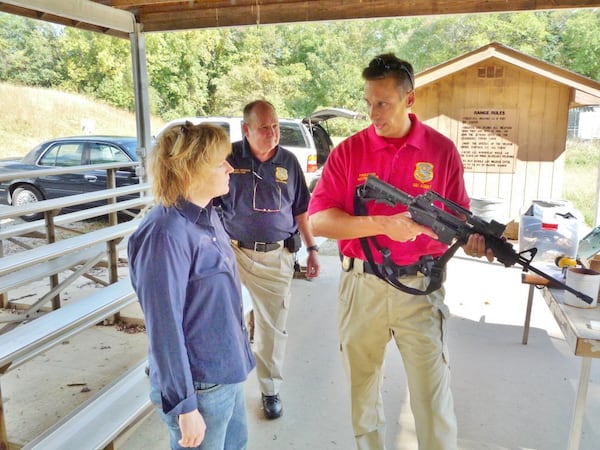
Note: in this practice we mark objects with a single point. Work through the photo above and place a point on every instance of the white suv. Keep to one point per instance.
(294, 137)
(306, 138)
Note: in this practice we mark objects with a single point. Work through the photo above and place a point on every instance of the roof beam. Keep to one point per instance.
(161, 15)
(81, 11)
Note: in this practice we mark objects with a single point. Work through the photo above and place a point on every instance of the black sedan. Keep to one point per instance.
(65, 152)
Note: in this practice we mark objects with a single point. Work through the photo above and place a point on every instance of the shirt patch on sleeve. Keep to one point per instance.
(424, 172)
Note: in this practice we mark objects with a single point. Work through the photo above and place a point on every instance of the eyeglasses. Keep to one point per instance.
(266, 197)
(384, 66)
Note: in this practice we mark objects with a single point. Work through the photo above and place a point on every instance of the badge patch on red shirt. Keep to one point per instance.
(424, 172)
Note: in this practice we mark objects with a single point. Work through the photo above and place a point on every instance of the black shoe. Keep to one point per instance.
(272, 406)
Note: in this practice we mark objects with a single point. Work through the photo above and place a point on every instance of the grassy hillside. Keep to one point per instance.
(581, 176)
(32, 115)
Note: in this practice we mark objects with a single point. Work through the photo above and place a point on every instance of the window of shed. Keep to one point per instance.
(490, 72)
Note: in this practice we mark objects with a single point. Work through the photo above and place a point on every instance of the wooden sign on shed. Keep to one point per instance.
(508, 114)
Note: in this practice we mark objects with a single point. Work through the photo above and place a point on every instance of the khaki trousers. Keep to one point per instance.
(370, 313)
(268, 278)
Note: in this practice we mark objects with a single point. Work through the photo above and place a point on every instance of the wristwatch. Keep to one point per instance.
(312, 248)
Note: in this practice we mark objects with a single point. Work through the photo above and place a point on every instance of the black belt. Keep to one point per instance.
(398, 271)
(200, 386)
(263, 247)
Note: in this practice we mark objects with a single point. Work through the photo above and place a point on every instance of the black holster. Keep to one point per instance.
(293, 243)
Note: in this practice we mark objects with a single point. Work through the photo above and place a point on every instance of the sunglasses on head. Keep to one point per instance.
(389, 66)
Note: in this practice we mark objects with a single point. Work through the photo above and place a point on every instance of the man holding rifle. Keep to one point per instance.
(376, 239)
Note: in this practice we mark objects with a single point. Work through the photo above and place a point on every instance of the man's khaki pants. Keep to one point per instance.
(268, 278)
(370, 313)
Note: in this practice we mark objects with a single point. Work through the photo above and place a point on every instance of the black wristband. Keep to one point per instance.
(312, 248)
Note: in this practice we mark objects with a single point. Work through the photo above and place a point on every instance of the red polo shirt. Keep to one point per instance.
(424, 160)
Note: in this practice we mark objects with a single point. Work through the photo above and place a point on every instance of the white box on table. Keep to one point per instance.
(551, 228)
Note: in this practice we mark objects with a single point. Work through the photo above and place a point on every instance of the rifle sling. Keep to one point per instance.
(433, 268)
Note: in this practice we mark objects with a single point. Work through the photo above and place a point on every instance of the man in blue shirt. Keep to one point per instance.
(184, 273)
(265, 216)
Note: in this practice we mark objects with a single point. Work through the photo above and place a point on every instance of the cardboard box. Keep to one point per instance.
(595, 263)
(512, 231)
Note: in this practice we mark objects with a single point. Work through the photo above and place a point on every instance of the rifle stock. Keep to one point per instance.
(456, 226)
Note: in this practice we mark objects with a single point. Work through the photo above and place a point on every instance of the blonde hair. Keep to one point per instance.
(182, 155)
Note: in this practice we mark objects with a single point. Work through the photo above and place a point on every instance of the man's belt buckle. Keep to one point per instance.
(265, 246)
(408, 271)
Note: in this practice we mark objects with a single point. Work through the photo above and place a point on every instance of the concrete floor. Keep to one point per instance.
(507, 396)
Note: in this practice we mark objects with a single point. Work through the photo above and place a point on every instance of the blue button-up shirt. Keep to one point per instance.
(185, 276)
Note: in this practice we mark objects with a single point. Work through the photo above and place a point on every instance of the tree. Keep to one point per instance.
(299, 67)
(97, 65)
(579, 49)
(28, 51)
(258, 69)
(178, 68)
(440, 39)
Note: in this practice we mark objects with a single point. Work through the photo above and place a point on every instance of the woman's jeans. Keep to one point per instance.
(223, 407)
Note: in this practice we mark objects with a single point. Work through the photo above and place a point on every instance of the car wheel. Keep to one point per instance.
(25, 195)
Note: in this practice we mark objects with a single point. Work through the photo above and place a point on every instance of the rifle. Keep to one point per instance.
(454, 229)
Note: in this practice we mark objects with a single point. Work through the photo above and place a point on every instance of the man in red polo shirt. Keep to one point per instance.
(415, 158)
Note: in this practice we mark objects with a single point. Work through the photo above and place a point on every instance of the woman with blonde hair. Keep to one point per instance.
(185, 276)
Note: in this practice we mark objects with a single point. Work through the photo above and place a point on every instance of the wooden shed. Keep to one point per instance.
(508, 115)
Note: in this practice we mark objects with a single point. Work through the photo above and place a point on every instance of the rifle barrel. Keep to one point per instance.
(582, 296)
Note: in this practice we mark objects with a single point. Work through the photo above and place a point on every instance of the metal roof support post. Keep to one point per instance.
(597, 201)
(142, 103)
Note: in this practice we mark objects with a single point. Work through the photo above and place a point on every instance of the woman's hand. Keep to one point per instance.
(192, 428)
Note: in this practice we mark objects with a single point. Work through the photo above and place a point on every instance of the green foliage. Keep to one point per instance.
(440, 39)
(580, 45)
(257, 71)
(96, 65)
(298, 67)
(28, 50)
(177, 70)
